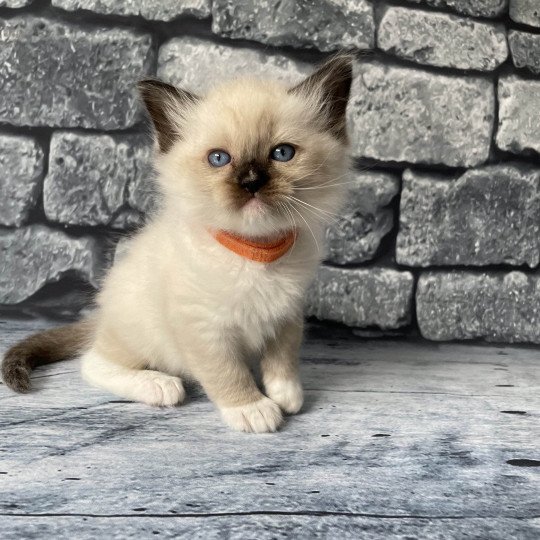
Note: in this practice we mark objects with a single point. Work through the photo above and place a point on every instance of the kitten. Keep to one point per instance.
(249, 175)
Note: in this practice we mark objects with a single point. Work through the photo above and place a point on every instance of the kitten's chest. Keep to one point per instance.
(227, 291)
(255, 299)
(259, 306)
(262, 294)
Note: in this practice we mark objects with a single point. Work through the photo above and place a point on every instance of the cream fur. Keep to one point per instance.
(178, 304)
(287, 393)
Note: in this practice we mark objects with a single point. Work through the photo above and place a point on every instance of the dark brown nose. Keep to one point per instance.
(254, 180)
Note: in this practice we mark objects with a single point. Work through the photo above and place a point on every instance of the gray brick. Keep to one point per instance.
(468, 305)
(525, 11)
(486, 216)
(519, 106)
(15, 3)
(88, 178)
(161, 10)
(142, 192)
(366, 218)
(127, 218)
(55, 74)
(477, 8)
(442, 40)
(364, 297)
(525, 49)
(33, 256)
(324, 24)
(197, 64)
(403, 114)
(21, 163)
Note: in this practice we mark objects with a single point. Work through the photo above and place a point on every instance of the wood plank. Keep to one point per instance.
(265, 527)
(392, 432)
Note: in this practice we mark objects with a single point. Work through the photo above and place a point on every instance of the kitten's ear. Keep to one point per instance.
(331, 85)
(165, 105)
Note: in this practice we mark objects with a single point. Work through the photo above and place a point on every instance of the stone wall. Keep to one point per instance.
(441, 231)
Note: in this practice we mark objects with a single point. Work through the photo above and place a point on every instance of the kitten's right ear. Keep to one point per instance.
(165, 104)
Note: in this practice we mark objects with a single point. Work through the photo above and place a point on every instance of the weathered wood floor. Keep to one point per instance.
(396, 440)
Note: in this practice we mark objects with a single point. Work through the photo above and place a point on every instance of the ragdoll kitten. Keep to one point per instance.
(250, 174)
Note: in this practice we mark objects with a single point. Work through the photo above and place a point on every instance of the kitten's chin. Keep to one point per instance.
(260, 219)
(255, 218)
(255, 207)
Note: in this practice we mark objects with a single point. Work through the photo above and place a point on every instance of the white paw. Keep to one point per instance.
(287, 393)
(260, 416)
(159, 389)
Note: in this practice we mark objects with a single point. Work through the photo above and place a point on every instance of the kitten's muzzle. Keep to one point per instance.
(254, 180)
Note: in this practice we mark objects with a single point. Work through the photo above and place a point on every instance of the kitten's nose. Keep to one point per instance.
(254, 180)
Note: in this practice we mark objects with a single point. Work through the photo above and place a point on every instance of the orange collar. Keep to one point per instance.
(258, 251)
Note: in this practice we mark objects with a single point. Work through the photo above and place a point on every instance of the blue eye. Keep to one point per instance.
(283, 152)
(218, 158)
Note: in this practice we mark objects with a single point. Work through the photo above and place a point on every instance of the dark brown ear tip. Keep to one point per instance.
(145, 86)
(342, 61)
(150, 84)
(146, 82)
(153, 89)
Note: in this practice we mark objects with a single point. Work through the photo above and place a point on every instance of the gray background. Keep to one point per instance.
(441, 233)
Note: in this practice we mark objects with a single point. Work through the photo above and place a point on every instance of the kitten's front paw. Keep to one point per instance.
(260, 416)
(159, 389)
(287, 393)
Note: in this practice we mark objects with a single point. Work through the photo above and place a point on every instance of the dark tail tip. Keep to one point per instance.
(16, 373)
(43, 348)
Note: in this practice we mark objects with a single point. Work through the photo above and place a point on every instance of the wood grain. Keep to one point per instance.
(396, 439)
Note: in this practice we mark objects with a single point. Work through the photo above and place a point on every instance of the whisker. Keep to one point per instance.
(334, 179)
(315, 181)
(308, 226)
(322, 186)
(315, 207)
(311, 173)
(321, 217)
(294, 227)
(287, 213)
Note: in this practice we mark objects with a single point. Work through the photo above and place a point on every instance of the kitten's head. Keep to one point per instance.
(254, 156)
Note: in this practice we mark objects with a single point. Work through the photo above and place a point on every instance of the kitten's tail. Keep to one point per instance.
(42, 348)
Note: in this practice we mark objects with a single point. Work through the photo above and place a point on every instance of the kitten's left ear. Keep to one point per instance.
(165, 105)
(331, 85)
